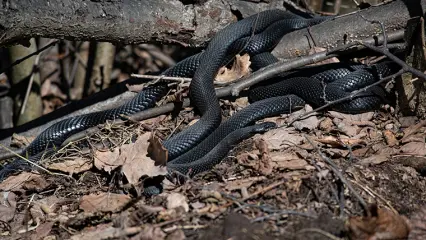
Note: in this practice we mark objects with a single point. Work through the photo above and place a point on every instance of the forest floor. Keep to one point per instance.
(313, 180)
(327, 176)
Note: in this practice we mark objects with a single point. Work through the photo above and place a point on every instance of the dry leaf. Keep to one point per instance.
(240, 68)
(243, 183)
(24, 180)
(265, 164)
(340, 142)
(105, 231)
(21, 141)
(241, 102)
(7, 206)
(418, 225)
(414, 148)
(157, 151)
(42, 231)
(309, 122)
(77, 165)
(136, 162)
(413, 129)
(375, 159)
(384, 224)
(368, 116)
(280, 138)
(103, 202)
(390, 138)
(107, 160)
(289, 161)
(346, 127)
(326, 125)
(175, 200)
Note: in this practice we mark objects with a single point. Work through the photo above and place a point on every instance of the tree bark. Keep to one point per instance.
(349, 28)
(119, 22)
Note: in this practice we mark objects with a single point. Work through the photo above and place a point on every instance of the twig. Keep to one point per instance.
(376, 195)
(263, 190)
(33, 163)
(30, 84)
(52, 43)
(162, 77)
(334, 168)
(283, 212)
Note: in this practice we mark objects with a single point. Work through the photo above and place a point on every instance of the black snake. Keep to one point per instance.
(202, 145)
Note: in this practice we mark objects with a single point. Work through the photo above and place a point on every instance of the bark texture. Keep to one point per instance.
(119, 22)
(350, 28)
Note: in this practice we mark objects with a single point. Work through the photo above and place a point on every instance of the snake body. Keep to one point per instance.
(190, 150)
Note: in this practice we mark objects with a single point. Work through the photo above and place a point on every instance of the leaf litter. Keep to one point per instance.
(270, 178)
(272, 186)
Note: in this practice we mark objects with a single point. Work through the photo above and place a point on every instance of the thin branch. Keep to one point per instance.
(162, 77)
(30, 84)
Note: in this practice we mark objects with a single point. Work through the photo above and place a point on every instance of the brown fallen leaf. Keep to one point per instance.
(106, 231)
(413, 138)
(309, 122)
(42, 231)
(290, 161)
(243, 183)
(136, 162)
(107, 160)
(346, 127)
(103, 202)
(418, 225)
(383, 224)
(77, 165)
(8, 206)
(414, 148)
(390, 138)
(24, 180)
(340, 142)
(240, 68)
(375, 159)
(413, 129)
(326, 125)
(280, 138)
(265, 164)
(157, 151)
(353, 117)
(21, 141)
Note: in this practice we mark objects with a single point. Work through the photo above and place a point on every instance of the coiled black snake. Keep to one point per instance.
(191, 150)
